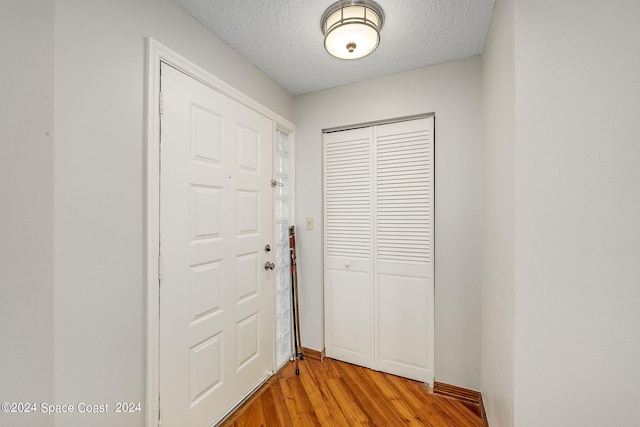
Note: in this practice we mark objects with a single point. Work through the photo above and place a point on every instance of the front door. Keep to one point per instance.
(216, 297)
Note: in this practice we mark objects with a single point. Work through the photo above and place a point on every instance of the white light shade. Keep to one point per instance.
(351, 29)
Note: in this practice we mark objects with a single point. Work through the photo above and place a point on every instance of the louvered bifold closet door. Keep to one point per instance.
(404, 293)
(348, 221)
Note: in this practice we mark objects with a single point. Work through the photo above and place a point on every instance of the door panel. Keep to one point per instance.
(216, 304)
(403, 326)
(348, 316)
(404, 285)
(348, 218)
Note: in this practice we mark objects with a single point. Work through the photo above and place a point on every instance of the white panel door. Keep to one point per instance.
(348, 218)
(379, 289)
(216, 298)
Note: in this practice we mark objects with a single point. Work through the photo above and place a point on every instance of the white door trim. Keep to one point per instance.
(155, 55)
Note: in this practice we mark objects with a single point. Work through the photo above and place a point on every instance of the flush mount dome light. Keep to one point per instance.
(352, 28)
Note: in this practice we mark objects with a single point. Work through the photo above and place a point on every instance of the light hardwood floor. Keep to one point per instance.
(333, 393)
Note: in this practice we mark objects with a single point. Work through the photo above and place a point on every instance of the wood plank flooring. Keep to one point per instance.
(334, 393)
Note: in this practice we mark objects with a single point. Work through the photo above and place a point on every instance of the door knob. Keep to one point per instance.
(269, 265)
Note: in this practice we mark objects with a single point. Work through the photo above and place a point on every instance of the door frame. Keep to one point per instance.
(156, 54)
(369, 124)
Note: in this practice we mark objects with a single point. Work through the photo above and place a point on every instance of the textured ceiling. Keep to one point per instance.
(283, 37)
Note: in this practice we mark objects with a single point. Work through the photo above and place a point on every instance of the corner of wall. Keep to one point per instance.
(498, 256)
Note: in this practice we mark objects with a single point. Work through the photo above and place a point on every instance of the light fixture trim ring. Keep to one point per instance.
(346, 3)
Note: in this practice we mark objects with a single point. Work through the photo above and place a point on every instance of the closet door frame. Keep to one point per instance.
(328, 264)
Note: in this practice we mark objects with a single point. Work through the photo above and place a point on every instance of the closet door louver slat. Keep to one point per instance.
(348, 196)
(403, 183)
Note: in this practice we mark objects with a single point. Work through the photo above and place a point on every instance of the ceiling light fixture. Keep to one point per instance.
(352, 28)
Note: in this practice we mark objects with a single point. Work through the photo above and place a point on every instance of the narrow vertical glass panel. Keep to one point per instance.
(283, 275)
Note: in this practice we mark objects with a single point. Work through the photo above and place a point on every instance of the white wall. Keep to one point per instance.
(451, 90)
(99, 187)
(26, 207)
(498, 238)
(577, 210)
